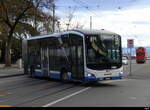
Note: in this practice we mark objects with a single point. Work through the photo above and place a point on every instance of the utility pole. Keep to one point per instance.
(90, 22)
(68, 24)
(53, 17)
(130, 61)
(58, 23)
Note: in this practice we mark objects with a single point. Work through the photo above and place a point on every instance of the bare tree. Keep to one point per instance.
(78, 25)
(15, 11)
(69, 18)
(70, 22)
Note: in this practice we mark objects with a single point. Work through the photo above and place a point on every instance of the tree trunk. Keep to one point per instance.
(8, 53)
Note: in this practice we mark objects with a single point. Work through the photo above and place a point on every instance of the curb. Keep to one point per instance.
(12, 75)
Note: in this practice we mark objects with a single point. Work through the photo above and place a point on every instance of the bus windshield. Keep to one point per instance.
(103, 51)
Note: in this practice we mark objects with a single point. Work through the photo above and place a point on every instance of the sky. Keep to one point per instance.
(129, 18)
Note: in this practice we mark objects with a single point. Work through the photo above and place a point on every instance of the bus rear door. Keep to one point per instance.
(44, 61)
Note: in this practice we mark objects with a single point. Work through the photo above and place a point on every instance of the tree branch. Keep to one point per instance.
(7, 21)
(22, 14)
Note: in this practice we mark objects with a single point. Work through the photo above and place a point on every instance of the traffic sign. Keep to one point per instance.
(130, 43)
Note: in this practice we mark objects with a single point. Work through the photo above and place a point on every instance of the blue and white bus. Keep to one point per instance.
(75, 55)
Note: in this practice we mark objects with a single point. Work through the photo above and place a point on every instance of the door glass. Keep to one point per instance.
(44, 58)
(76, 47)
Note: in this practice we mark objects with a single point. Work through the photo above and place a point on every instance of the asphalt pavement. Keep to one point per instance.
(133, 91)
(138, 71)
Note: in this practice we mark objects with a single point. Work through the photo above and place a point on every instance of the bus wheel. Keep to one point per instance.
(64, 75)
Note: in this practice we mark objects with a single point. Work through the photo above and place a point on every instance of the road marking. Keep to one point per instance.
(6, 94)
(132, 97)
(9, 93)
(66, 97)
(6, 106)
(2, 95)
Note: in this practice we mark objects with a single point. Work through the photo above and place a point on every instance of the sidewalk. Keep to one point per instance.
(10, 71)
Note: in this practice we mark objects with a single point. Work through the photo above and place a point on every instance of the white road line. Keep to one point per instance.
(133, 98)
(66, 97)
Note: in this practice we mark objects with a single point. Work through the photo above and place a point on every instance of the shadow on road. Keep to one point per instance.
(99, 85)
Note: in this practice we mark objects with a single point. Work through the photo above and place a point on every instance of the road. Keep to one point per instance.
(133, 91)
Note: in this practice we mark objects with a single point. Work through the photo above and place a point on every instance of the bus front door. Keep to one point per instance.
(77, 62)
(45, 62)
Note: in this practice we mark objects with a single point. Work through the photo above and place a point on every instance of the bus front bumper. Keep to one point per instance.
(90, 79)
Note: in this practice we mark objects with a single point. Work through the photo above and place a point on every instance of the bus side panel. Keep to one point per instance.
(25, 56)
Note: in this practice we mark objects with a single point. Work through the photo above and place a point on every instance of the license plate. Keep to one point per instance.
(107, 78)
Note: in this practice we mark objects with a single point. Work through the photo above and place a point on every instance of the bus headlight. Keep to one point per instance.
(121, 73)
(89, 75)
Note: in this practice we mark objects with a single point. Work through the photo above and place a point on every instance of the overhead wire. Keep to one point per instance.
(85, 6)
(77, 7)
(81, 4)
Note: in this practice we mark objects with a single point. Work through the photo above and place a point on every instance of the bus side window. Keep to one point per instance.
(53, 61)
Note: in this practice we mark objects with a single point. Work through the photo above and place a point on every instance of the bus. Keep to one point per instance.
(141, 55)
(75, 55)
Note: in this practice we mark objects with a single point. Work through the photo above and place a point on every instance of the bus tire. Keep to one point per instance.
(64, 75)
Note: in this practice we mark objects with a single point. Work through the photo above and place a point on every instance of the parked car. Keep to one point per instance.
(124, 60)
